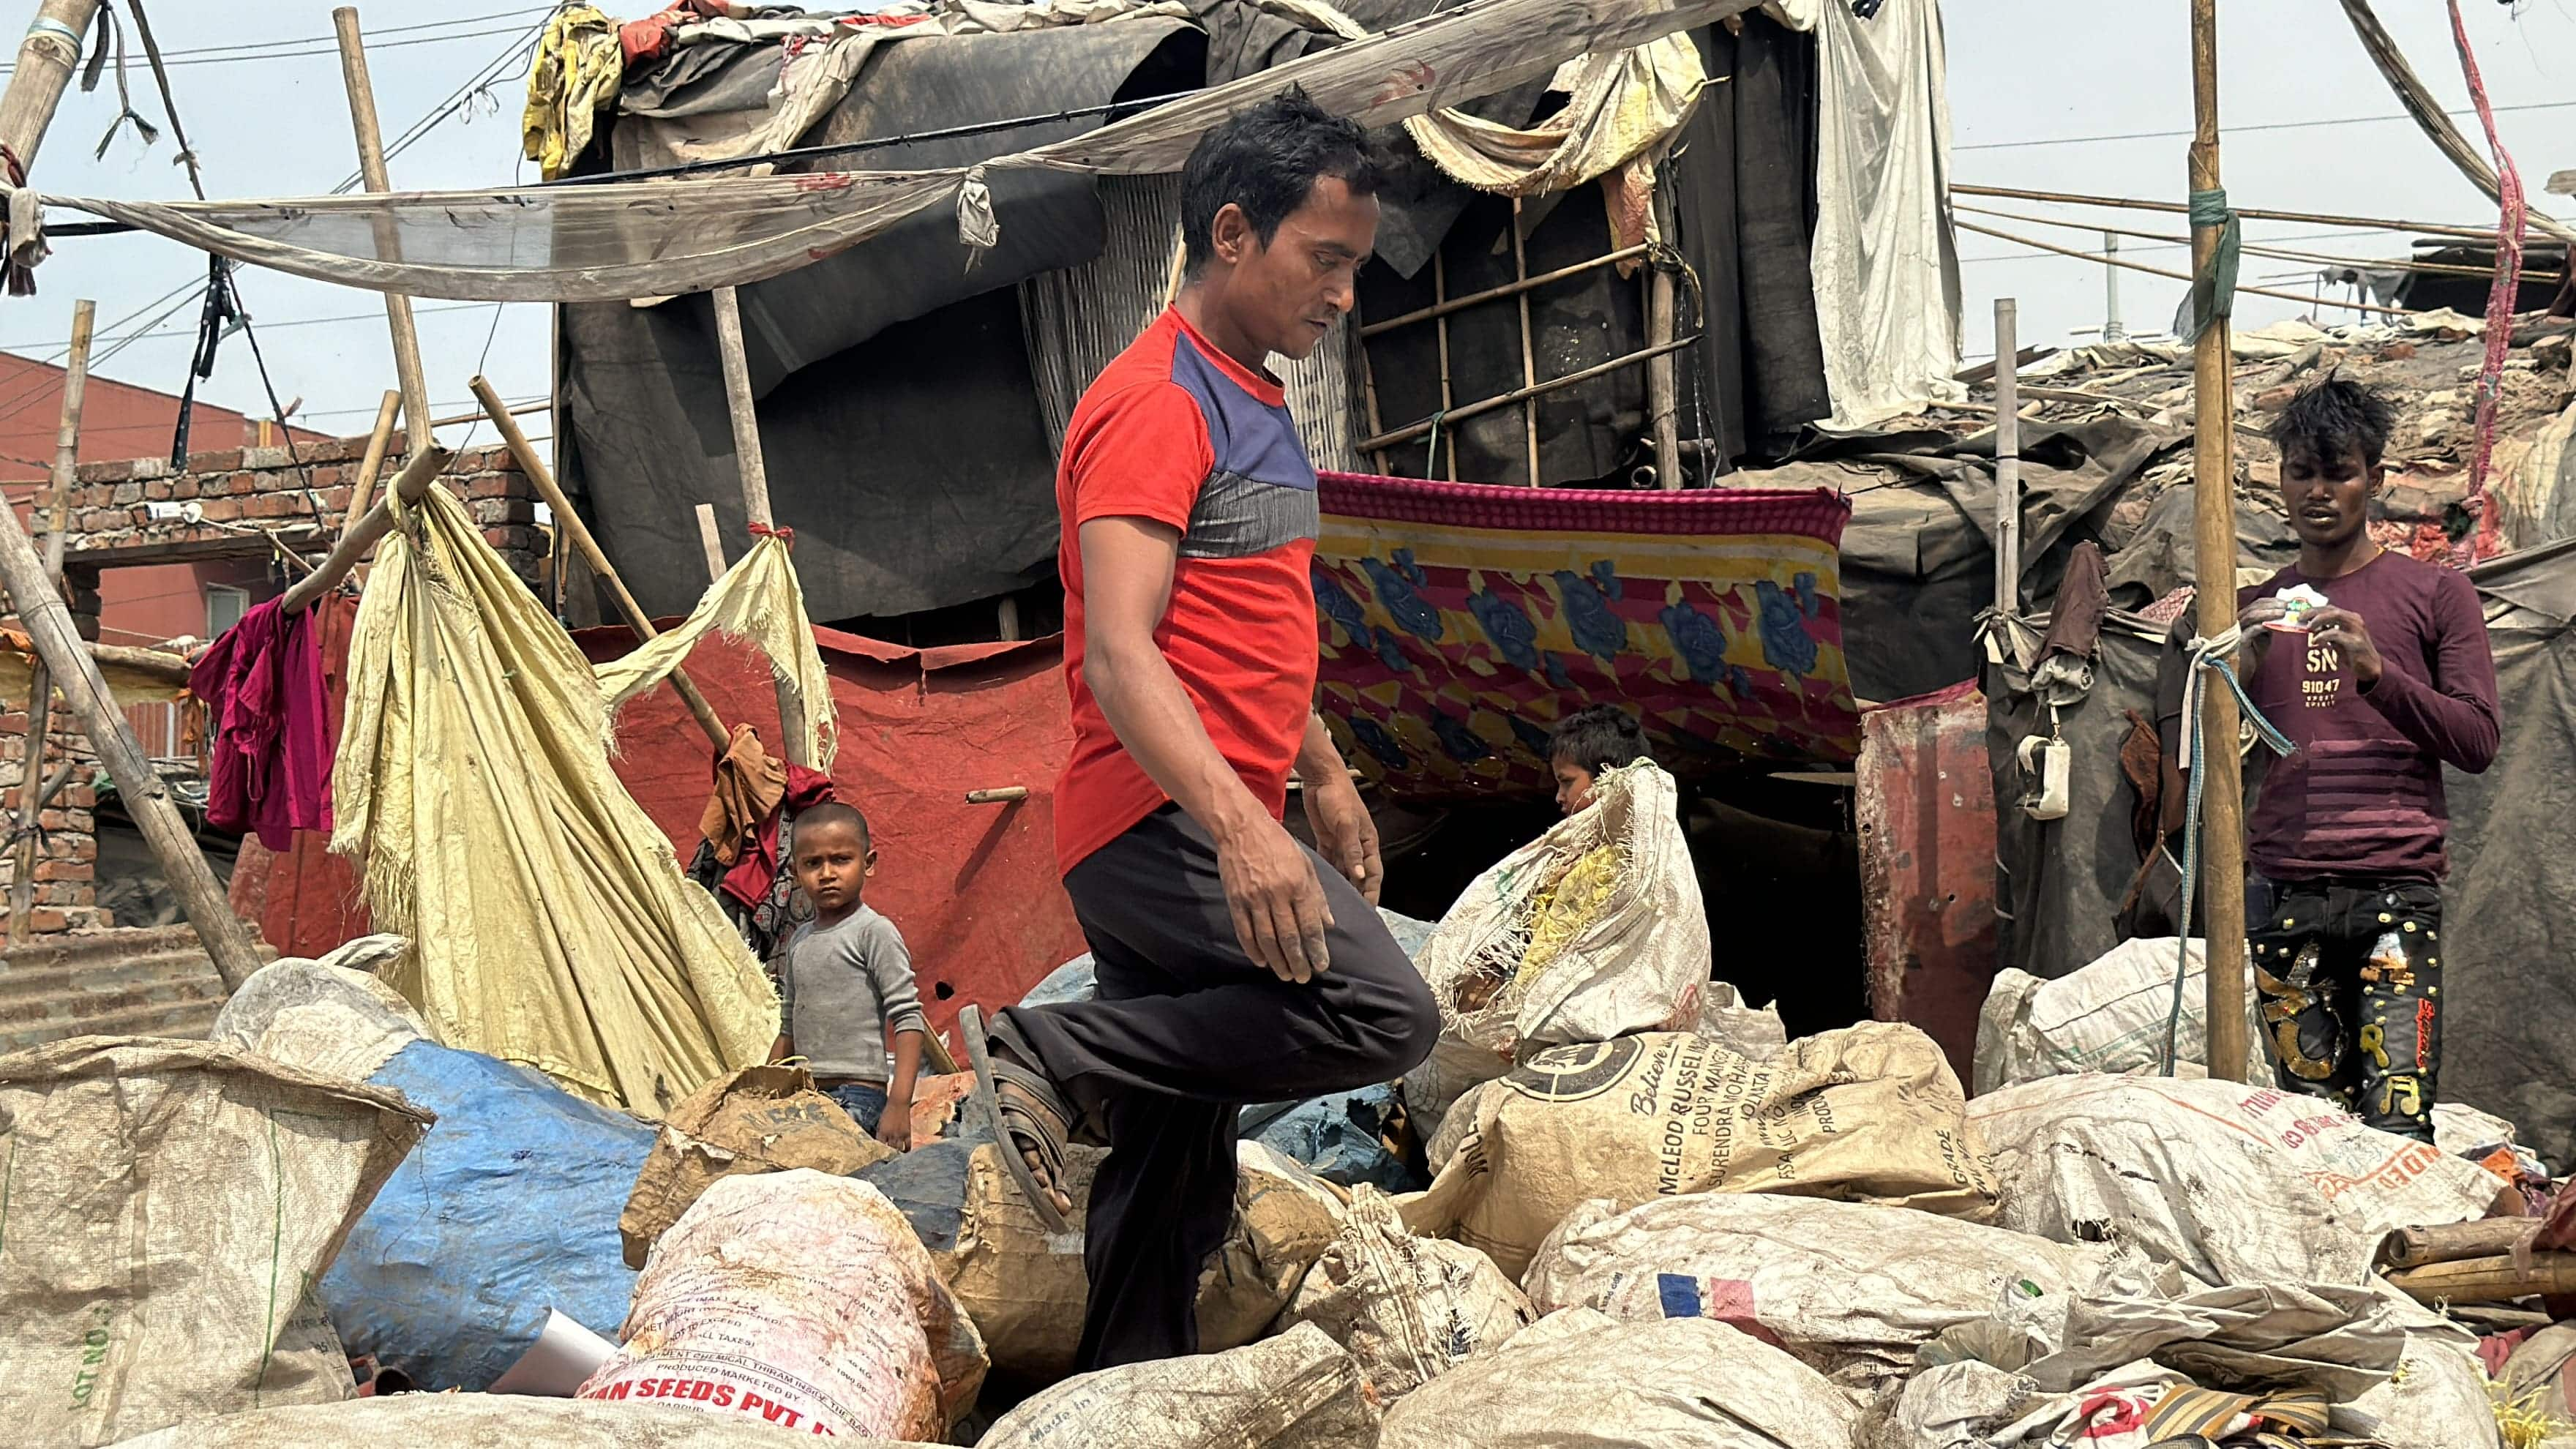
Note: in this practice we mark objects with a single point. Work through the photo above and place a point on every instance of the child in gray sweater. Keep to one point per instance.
(845, 984)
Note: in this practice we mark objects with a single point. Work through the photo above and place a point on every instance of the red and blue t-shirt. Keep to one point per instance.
(1175, 431)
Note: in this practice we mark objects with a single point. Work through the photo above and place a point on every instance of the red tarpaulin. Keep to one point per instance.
(972, 887)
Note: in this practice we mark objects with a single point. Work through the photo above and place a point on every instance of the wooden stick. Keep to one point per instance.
(525, 454)
(2487, 1280)
(2451, 1242)
(2222, 841)
(361, 536)
(755, 485)
(40, 687)
(2241, 289)
(46, 57)
(2428, 228)
(1663, 393)
(1440, 294)
(145, 794)
(1368, 389)
(1003, 796)
(1529, 354)
(711, 539)
(362, 488)
(417, 436)
(2259, 249)
(1491, 294)
(2007, 462)
(1414, 430)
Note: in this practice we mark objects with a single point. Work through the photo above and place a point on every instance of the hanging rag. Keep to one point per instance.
(640, 41)
(2213, 284)
(757, 896)
(576, 70)
(749, 783)
(550, 925)
(268, 765)
(758, 602)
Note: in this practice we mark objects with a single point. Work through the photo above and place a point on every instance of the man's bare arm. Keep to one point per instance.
(1270, 887)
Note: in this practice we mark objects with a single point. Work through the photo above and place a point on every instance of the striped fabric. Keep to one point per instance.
(2280, 1419)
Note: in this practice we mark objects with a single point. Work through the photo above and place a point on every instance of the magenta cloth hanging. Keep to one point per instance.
(268, 726)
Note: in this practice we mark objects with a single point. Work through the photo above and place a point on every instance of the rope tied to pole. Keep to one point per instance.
(2213, 285)
(2208, 656)
(2512, 213)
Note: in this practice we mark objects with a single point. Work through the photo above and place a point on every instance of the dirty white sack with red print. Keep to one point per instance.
(1851, 1289)
(801, 1300)
(1591, 931)
(2228, 1182)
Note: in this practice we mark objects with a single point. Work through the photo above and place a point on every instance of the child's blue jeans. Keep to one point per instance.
(864, 1101)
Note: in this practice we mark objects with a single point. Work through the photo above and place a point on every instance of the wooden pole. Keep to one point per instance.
(711, 540)
(2242, 290)
(1663, 392)
(371, 170)
(358, 537)
(146, 796)
(2487, 1280)
(755, 485)
(1507, 289)
(1529, 354)
(2007, 464)
(40, 685)
(1440, 295)
(1368, 390)
(2451, 1242)
(2222, 842)
(362, 488)
(46, 58)
(570, 523)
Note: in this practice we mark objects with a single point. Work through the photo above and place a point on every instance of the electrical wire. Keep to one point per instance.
(329, 48)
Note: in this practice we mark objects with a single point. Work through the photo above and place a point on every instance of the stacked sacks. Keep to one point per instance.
(1409, 1309)
(1296, 1391)
(1592, 931)
(1871, 1113)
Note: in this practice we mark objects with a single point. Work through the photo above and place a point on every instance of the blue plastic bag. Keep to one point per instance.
(1339, 1137)
(507, 1208)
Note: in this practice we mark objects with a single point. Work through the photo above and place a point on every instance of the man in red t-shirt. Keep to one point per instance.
(1234, 965)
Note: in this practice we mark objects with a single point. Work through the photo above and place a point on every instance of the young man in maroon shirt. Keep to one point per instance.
(1234, 965)
(2378, 689)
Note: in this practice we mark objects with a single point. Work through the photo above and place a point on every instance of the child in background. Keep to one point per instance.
(1590, 740)
(845, 984)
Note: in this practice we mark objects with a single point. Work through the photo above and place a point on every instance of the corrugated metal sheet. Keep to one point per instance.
(151, 982)
(1927, 860)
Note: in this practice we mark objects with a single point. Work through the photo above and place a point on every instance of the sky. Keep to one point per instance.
(2035, 88)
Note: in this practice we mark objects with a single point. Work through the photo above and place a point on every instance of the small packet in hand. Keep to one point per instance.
(2297, 602)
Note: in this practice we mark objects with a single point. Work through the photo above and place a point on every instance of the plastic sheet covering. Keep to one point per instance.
(1886, 261)
(551, 924)
(759, 602)
(630, 239)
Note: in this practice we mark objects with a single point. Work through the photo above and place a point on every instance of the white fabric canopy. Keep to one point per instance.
(589, 243)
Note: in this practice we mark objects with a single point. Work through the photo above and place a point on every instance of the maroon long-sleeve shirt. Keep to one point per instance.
(2362, 793)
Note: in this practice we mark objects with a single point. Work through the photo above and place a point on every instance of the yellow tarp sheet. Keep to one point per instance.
(129, 685)
(550, 924)
(758, 602)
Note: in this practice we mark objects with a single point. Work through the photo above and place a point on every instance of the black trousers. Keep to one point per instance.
(2350, 975)
(1185, 1030)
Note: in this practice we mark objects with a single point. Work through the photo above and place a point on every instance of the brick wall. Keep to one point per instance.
(138, 512)
(67, 856)
(141, 511)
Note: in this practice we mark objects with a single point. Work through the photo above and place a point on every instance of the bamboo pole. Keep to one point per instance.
(1368, 389)
(362, 488)
(46, 57)
(417, 435)
(2241, 289)
(711, 540)
(2451, 1242)
(2222, 844)
(2487, 1280)
(2250, 213)
(1476, 409)
(2111, 234)
(2007, 462)
(525, 453)
(1663, 393)
(146, 795)
(1493, 294)
(1529, 354)
(40, 685)
(357, 538)
(1440, 295)
(755, 484)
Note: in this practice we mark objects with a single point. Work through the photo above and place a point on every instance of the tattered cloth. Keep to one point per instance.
(586, 243)
(758, 602)
(551, 926)
(1461, 621)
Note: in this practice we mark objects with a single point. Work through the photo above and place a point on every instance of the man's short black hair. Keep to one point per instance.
(1598, 737)
(2336, 414)
(1266, 161)
(833, 812)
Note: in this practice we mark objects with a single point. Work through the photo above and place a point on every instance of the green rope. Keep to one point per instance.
(2213, 287)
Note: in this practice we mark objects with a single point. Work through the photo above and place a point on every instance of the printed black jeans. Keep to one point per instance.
(2350, 974)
